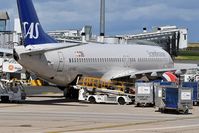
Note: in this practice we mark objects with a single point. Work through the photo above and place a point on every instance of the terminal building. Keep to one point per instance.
(170, 38)
(9, 68)
(79, 35)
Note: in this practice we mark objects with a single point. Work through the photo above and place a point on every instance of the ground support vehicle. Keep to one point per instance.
(96, 90)
(11, 91)
(104, 96)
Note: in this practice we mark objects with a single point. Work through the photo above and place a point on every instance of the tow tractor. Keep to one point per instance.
(96, 90)
(11, 91)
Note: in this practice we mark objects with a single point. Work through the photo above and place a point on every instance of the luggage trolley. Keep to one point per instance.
(174, 98)
(195, 87)
(144, 94)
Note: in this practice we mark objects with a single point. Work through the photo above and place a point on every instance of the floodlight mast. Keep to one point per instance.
(102, 20)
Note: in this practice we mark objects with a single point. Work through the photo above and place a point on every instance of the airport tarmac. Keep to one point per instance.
(51, 113)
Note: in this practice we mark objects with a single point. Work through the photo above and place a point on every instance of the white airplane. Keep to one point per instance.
(61, 63)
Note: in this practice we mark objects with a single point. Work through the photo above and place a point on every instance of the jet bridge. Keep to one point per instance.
(169, 38)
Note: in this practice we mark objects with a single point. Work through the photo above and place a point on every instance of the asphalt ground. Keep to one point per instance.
(47, 112)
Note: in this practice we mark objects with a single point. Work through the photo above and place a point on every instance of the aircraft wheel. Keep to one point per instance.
(75, 93)
(66, 93)
(71, 93)
(5, 99)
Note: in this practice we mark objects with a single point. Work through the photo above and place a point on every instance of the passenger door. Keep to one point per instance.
(60, 67)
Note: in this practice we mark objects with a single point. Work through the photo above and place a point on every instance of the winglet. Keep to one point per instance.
(32, 30)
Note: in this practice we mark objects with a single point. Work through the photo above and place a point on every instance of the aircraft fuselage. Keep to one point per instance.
(61, 66)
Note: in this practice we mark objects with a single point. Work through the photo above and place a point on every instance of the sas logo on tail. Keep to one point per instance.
(31, 30)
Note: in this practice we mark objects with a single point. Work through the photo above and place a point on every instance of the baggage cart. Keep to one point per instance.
(158, 91)
(144, 94)
(174, 98)
(195, 87)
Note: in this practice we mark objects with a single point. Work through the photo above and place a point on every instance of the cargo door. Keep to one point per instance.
(61, 62)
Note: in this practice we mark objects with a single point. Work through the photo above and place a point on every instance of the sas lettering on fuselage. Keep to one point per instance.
(31, 30)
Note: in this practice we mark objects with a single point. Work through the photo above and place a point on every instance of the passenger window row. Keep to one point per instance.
(112, 60)
(74, 60)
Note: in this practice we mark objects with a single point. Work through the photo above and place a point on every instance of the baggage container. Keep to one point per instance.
(174, 98)
(144, 94)
(194, 86)
(158, 91)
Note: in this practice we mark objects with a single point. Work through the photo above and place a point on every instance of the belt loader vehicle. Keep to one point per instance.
(95, 90)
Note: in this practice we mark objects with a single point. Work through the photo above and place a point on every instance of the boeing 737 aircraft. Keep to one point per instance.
(61, 63)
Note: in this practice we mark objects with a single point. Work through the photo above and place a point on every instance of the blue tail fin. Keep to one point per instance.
(32, 30)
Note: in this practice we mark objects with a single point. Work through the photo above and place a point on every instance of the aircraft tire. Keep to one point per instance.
(66, 92)
(71, 93)
(5, 99)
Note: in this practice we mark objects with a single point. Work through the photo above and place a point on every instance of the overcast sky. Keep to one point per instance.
(122, 16)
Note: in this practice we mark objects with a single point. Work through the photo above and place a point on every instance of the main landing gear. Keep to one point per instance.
(71, 93)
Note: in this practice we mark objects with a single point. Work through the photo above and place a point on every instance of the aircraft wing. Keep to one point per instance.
(177, 69)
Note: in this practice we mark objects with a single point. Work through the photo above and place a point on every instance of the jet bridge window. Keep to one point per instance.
(185, 36)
